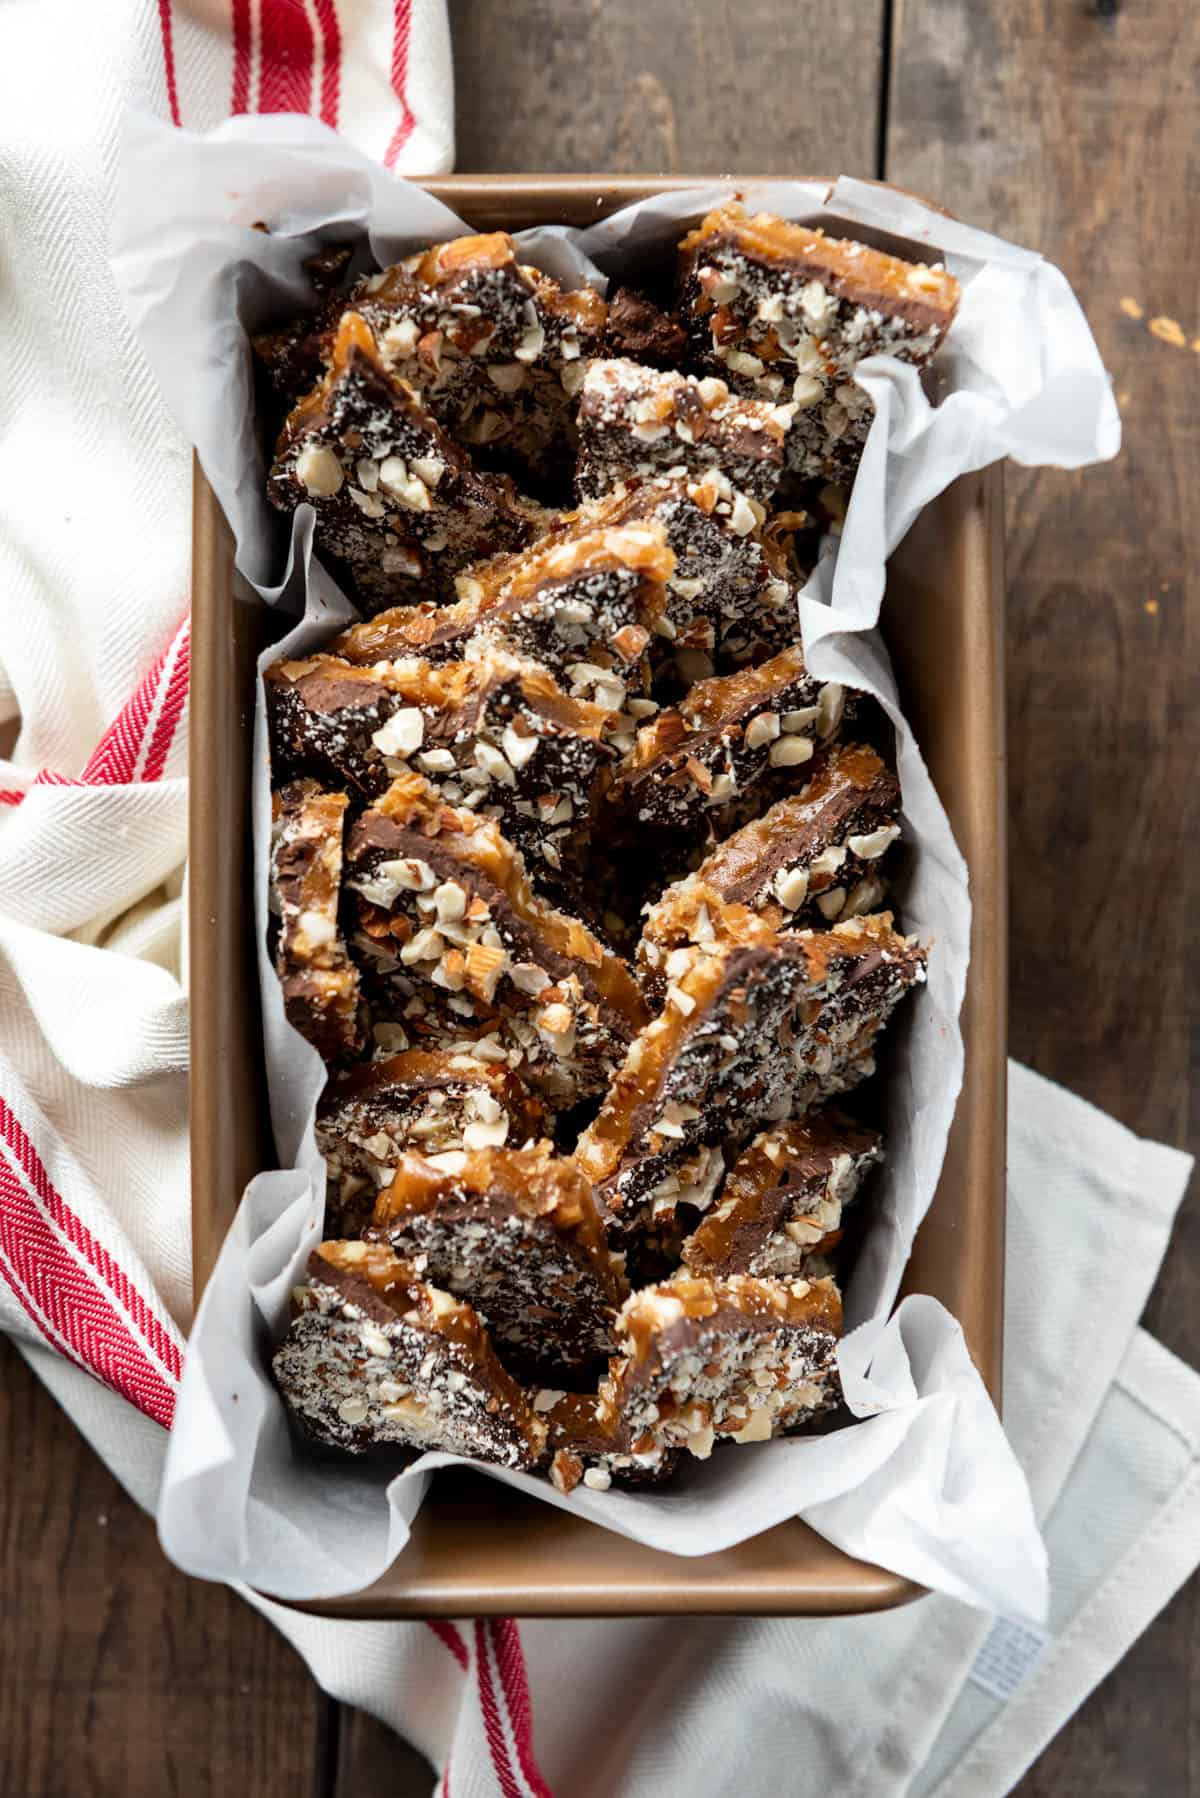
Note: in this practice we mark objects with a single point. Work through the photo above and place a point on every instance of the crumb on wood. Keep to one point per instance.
(1168, 330)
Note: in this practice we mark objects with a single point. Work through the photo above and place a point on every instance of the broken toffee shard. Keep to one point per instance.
(438, 1102)
(583, 601)
(376, 1356)
(814, 858)
(786, 314)
(783, 1198)
(730, 597)
(496, 735)
(728, 742)
(495, 347)
(757, 1025)
(399, 507)
(701, 1360)
(319, 980)
(445, 906)
(637, 422)
(516, 1233)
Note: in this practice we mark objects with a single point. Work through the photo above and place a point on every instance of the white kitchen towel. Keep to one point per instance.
(94, 1208)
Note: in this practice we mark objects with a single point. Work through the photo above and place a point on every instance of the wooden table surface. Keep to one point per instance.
(1070, 128)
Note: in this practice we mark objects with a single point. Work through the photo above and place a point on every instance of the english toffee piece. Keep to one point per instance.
(636, 422)
(399, 507)
(782, 1202)
(702, 1361)
(375, 1356)
(320, 982)
(439, 1103)
(577, 872)
(786, 314)
(516, 1233)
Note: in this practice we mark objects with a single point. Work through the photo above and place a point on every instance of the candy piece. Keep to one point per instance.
(496, 734)
(731, 596)
(319, 981)
(293, 356)
(438, 1103)
(399, 508)
(588, 1443)
(583, 602)
(758, 1025)
(785, 313)
(515, 1232)
(375, 1355)
(640, 331)
(445, 902)
(701, 1360)
(782, 1201)
(739, 1358)
(812, 859)
(731, 741)
(637, 422)
(495, 347)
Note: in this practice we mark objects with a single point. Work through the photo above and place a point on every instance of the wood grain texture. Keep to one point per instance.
(119, 1678)
(1073, 129)
(668, 87)
(374, 1763)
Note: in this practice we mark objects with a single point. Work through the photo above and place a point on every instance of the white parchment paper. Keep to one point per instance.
(924, 1481)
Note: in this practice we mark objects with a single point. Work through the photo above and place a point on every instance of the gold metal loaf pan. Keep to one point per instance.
(483, 1549)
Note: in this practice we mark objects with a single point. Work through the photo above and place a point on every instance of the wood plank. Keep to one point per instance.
(119, 1678)
(665, 88)
(1073, 130)
(374, 1763)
